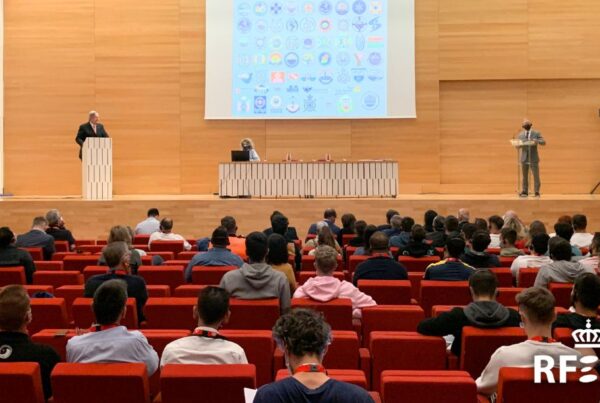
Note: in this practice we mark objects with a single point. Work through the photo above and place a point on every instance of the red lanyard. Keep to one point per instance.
(99, 328)
(543, 339)
(310, 368)
(210, 335)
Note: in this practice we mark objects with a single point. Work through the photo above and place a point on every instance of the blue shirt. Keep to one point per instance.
(214, 257)
(449, 270)
(291, 390)
(400, 241)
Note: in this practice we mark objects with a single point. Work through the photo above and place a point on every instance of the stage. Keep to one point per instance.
(198, 215)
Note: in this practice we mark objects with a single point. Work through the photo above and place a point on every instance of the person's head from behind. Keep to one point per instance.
(360, 227)
(212, 308)
(579, 223)
(325, 237)
(110, 302)
(389, 214)
(439, 223)
(369, 231)
(278, 250)
(537, 227)
(330, 215)
(481, 241)
(514, 223)
(418, 234)
(379, 242)
(495, 224)
(464, 215)
(348, 222)
(396, 223)
(536, 306)
(119, 233)
(153, 212)
(15, 309)
(428, 219)
(539, 244)
(483, 285)
(54, 218)
(303, 336)
(166, 225)
(560, 249)
(220, 238)
(117, 256)
(407, 224)
(40, 223)
(229, 223)
(585, 296)
(508, 238)
(564, 230)
(451, 224)
(325, 260)
(467, 232)
(7, 237)
(565, 219)
(455, 247)
(595, 247)
(279, 224)
(256, 247)
(481, 224)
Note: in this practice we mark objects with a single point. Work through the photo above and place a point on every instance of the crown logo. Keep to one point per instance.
(588, 337)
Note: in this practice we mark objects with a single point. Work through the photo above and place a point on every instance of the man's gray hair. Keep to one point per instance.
(396, 222)
(53, 217)
(321, 225)
(92, 114)
(326, 259)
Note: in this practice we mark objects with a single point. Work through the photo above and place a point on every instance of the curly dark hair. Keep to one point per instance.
(302, 332)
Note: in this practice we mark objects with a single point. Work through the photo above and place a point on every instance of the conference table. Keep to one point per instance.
(367, 178)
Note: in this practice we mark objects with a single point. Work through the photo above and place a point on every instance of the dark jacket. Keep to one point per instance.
(448, 270)
(379, 268)
(482, 314)
(400, 240)
(37, 239)
(417, 249)
(437, 238)
(61, 234)
(357, 241)
(390, 232)
(291, 235)
(480, 260)
(384, 227)
(13, 256)
(575, 321)
(85, 131)
(340, 237)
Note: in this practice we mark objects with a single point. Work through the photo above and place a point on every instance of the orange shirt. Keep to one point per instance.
(238, 246)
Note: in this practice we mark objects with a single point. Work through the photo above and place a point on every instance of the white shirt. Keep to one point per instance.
(495, 240)
(112, 345)
(525, 261)
(203, 350)
(161, 236)
(519, 355)
(582, 240)
(148, 226)
(591, 262)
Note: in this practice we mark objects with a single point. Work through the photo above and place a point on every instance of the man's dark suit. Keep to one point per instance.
(36, 238)
(85, 131)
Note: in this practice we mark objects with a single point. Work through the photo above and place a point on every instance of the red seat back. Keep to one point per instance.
(21, 382)
(57, 278)
(303, 276)
(504, 276)
(167, 275)
(259, 347)
(506, 295)
(48, 313)
(210, 383)
(415, 279)
(562, 293)
(506, 261)
(170, 313)
(352, 376)
(354, 261)
(56, 338)
(417, 263)
(258, 314)
(61, 246)
(564, 335)
(100, 383)
(186, 255)
(337, 312)
(69, 293)
(36, 253)
(80, 262)
(428, 387)
(83, 314)
(12, 275)
(93, 249)
(167, 246)
(141, 238)
(443, 293)
(478, 345)
(403, 318)
(526, 277)
(49, 265)
(343, 352)
(387, 292)
(85, 242)
(210, 275)
(159, 338)
(91, 271)
(188, 290)
(33, 289)
(158, 290)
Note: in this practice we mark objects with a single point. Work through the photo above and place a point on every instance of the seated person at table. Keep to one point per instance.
(206, 345)
(218, 255)
(562, 269)
(418, 246)
(166, 234)
(537, 257)
(108, 340)
(451, 268)
(476, 256)
(484, 312)
(380, 265)
(257, 279)
(303, 336)
(11, 256)
(37, 238)
(401, 240)
(325, 287)
(15, 344)
(585, 300)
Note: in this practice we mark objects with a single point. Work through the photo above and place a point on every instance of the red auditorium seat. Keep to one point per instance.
(100, 383)
(564, 335)
(167, 246)
(141, 239)
(80, 262)
(61, 246)
(415, 279)
(526, 277)
(478, 345)
(54, 337)
(253, 314)
(188, 290)
(405, 351)
(562, 293)
(428, 387)
(175, 262)
(59, 256)
(504, 276)
(170, 313)
(354, 261)
(93, 249)
(143, 247)
(353, 376)
(165, 255)
(85, 242)
(36, 253)
(92, 271)
(12, 275)
(178, 382)
(158, 290)
(337, 312)
(443, 293)
(209, 275)
(506, 261)
(49, 265)
(308, 263)
(399, 318)
(168, 275)
(506, 295)
(186, 255)
(33, 289)
(346, 238)
(83, 315)
(303, 276)
(159, 338)
(494, 251)
(104, 242)
(417, 263)
(387, 292)
(57, 278)
(69, 293)
(48, 313)
(259, 347)
(21, 382)
(515, 385)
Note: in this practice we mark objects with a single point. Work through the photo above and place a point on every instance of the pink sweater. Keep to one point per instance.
(326, 288)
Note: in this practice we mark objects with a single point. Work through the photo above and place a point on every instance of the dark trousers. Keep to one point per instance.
(535, 169)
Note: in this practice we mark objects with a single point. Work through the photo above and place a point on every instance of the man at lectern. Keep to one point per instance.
(530, 157)
(90, 129)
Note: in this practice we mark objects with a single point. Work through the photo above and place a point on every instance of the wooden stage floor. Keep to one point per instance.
(198, 215)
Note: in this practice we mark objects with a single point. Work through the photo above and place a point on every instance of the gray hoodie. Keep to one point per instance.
(487, 314)
(560, 271)
(258, 281)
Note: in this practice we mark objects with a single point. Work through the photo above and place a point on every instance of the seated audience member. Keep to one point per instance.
(467, 232)
(585, 299)
(11, 256)
(418, 246)
(563, 219)
(366, 249)
(451, 226)
(348, 223)
(565, 231)
(108, 340)
(218, 255)
(237, 243)
(256, 279)
(120, 233)
(278, 258)
(592, 261)
(56, 228)
(37, 238)
(395, 227)
(290, 233)
(165, 234)
(329, 216)
(484, 312)
(581, 238)
(463, 217)
(150, 225)
(118, 257)
(562, 269)
(280, 225)
(359, 240)
(15, 344)
(536, 306)
(205, 345)
(428, 220)
(477, 256)
(451, 268)
(438, 235)
(537, 257)
(324, 238)
(380, 265)
(303, 336)
(536, 227)
(324, 287)
(388, 218)
(495, 227)
(402, 239)
(512, 221)
(508, 239)
(481, 224)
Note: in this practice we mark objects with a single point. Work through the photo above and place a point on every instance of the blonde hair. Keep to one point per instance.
(119, 233)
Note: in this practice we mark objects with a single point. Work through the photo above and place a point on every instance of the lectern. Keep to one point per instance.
(518, 145)
(96, 168)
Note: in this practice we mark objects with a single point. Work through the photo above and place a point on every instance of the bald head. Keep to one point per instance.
(464, 215)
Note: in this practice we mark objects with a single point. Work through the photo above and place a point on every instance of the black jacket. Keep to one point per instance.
(136, 288)
(37, 239)
(483, 314)
(379, 268)
(13, 256)
(291, 235)
(417, 249)
(574, 321)
(61, 234)
(85, 131)
(437, 238)
(480, 260)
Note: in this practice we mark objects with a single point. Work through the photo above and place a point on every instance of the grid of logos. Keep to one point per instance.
(319, 58)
